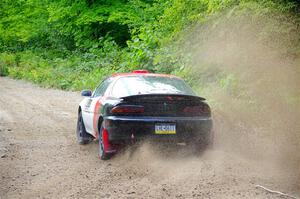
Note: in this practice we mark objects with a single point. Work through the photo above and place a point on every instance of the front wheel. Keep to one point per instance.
(82, 136)
(104, 145)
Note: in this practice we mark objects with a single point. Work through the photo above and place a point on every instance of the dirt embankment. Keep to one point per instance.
(41, 159)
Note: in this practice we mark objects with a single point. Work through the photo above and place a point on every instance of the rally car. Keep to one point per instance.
(128, 107)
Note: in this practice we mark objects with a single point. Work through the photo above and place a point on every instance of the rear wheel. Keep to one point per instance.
(104, 144)
(82, 136)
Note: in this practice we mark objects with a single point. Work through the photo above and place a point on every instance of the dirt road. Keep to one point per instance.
(41, 159)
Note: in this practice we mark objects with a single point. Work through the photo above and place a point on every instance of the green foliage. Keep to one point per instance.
(3, 70)
(73, 44)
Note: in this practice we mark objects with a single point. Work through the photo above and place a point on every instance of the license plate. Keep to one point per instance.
(165, 129)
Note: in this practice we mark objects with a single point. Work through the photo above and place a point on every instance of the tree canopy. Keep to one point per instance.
(88, 36)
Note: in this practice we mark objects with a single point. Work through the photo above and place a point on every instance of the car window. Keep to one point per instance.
(135, 85)
(100, 90)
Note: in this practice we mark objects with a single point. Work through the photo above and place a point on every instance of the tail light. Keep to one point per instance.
(128, 109)
(197, 109)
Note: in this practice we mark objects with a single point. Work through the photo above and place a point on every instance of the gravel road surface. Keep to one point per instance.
(41, 159)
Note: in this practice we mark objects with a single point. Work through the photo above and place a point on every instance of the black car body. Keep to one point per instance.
(139, 105)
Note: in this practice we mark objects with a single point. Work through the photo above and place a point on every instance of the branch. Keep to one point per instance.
(276, 192)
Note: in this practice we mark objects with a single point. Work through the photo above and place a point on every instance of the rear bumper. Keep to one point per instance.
(187, 128)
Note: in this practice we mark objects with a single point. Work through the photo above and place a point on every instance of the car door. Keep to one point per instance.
(92, 106)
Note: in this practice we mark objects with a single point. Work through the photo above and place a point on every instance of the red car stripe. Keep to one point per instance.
(144, 74)
(95, 118)
(97, 113)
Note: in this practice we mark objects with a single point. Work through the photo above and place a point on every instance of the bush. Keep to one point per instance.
(3, 70)
(74, 45)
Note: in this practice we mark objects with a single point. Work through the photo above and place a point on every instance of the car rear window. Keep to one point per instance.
(136, 85)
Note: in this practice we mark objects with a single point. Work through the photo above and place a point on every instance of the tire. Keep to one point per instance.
(82, 136)
(102, 153)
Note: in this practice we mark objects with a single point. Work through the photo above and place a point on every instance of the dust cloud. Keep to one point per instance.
(249, 71)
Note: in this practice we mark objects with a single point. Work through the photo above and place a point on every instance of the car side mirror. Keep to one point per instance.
(86, 93)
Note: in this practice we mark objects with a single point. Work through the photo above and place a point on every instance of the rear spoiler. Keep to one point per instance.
(171, 96)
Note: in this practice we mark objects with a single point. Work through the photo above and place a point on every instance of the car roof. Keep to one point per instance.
(143, 73)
